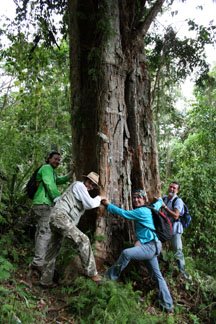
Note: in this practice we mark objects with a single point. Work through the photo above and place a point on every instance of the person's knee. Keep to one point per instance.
(126, 254)
(86, 240)
(83, 239)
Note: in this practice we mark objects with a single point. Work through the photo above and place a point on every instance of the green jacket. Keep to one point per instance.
(47, 190)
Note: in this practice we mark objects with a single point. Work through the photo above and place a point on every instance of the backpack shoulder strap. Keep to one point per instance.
(150, 207)
(174, 200)
(165, 198)
(41, 181)
(38, 169)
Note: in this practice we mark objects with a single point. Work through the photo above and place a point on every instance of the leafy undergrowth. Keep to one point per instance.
(79, 300)
(82, 301)
(22, 302)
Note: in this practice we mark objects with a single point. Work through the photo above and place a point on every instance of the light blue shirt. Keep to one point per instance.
(177, 225)
(142, 215)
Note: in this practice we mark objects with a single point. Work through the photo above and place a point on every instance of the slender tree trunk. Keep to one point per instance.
(112, 119)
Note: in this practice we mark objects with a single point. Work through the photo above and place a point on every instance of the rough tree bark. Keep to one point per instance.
(112, 120)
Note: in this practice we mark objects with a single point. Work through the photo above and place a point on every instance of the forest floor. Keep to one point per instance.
(23, 294)
(51, 305)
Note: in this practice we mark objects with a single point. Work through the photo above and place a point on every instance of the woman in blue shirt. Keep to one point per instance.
(147, 246)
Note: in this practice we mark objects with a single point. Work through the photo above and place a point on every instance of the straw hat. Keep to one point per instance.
(94, 177)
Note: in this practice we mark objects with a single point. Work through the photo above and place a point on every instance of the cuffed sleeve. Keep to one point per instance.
(81, 193)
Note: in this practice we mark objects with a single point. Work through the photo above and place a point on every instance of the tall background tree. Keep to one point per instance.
(112, 121)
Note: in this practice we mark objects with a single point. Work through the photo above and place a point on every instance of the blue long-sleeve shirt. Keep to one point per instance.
(142, 217)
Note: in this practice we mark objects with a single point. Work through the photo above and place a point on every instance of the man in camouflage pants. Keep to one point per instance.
(64, 219)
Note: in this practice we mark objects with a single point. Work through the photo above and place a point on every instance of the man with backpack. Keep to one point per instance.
(174, 208)
(43, 199)
(147, 247)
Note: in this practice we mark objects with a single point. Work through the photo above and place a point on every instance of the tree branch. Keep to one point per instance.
(144, 25)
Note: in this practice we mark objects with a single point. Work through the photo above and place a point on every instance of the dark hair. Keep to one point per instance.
(177, 183)
(50, 155)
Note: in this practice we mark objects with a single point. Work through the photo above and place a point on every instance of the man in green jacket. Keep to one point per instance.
(44, 198)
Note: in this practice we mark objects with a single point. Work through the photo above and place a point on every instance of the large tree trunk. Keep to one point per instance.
(112, 119)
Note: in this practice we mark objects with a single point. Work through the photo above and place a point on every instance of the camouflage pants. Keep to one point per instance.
(43, 233)
(62, 226)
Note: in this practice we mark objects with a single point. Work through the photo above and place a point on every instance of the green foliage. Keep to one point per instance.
(193, 165)
(108, 303)
(7, 245)
(100, 238)
(5, 269)
(34, 117)
(43, 17)
(18, 306)
(179, 57)
(202, 288)
(170, 60)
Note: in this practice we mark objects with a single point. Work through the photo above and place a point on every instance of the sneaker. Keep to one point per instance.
(169, 311)
(34, 273)
(186, 276)
(163, 308)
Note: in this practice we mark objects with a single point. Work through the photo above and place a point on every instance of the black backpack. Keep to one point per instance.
(32, 184)
(186, 218)
(162, 224)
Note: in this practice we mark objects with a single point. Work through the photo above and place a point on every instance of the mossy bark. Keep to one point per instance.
(112, 120)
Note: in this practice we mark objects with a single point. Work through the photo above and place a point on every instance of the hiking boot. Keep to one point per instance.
(34, 273)
(33, 267)
(48, 286)
(56, 277)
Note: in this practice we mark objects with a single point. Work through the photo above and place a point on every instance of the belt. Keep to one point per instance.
(155, 243)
